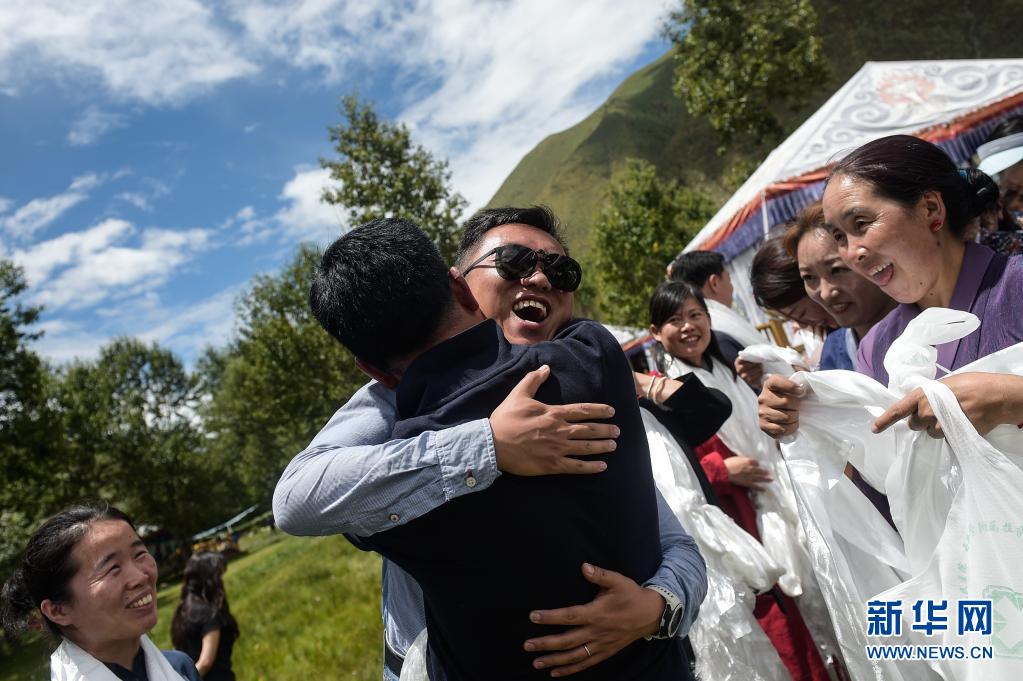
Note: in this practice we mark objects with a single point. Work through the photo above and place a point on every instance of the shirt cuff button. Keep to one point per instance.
(470, 481)
(394, 517)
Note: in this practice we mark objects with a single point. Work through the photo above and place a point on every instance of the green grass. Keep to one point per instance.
(306, 608)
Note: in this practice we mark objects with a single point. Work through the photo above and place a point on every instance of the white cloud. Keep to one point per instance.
(162, 53)
(64, 341)
(487, 81)
(189, 328)
(93, 124)
(135, 199)
(499, 98)
(109, 260)
(313, 34)
(150, 190)
(482, 82)
(5, 204)
(302, 217)
(184, 328)
(251, 127)
(38, 213)
(306, 217)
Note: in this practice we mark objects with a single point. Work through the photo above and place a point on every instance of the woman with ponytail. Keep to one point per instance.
(203, 626)
(899, 208)
(88, 577)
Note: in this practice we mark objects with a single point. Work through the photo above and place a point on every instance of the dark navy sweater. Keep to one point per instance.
(485, 560)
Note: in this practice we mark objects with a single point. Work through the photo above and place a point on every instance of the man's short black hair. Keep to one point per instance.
(695, 267)
(541, 217)
(381, 290)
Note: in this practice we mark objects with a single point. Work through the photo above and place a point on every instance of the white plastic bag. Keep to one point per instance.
(781, 361)
(777, 515)
(978, 555)
(730, 645)
(856, 556)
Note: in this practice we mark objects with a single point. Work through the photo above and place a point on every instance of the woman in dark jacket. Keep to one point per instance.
(203, 626)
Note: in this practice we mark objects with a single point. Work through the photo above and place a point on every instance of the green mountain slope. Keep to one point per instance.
(570, 170)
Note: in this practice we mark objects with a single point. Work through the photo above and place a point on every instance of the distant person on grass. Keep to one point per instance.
(356, 478)
(485, 560)
(203, 626)
(90, 579)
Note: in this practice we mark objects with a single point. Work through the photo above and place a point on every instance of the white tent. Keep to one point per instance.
(953, 104)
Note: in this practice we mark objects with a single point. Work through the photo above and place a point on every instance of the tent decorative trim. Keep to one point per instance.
(953, 103)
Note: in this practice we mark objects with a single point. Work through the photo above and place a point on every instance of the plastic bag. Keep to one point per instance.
(777, 514)
(855, 553)
(978, 554)
(777, 517)
(781, 361)
(730, 645)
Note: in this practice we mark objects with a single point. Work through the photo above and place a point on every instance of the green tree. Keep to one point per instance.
(26, 433)
(643, 224)
(132, 437)
(277, 382)
(382, 173)
(737, 59)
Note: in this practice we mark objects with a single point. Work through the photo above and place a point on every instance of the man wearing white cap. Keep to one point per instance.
(1001, 157)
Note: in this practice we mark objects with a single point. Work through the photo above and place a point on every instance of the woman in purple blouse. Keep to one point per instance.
(898, 207)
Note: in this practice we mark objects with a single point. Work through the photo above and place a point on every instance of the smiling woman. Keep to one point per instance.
(91, 581)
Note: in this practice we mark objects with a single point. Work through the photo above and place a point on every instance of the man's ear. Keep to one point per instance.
(710, 287)
(461, 291)
(384, 377)
(56, 612)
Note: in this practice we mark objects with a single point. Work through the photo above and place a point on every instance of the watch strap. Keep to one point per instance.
(672, 605)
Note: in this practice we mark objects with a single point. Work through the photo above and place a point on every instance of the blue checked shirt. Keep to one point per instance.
(353, 479)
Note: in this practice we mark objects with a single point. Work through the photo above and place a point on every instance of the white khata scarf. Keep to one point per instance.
(70, 663)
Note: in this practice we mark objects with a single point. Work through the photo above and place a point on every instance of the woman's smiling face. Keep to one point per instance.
(686, 334)
(113, 593)
(849, 297)
(882, 240)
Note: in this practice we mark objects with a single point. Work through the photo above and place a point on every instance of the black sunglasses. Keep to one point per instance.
(514, 261)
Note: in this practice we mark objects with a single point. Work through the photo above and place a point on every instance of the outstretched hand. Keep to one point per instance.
(533, 438)
(622, 612)
(988, 400)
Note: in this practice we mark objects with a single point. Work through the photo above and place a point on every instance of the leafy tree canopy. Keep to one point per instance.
(643, 224)
(278, 382)
(737, 59)
(382, 173)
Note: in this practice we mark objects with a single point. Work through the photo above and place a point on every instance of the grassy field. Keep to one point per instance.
(306, 608)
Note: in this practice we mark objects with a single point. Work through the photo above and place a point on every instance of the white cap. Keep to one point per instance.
(997, 155)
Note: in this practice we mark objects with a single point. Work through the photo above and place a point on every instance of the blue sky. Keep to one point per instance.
(154, 156)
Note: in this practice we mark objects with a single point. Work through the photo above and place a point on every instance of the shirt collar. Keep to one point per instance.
(975, 263)
(457, 359)
(136, 673)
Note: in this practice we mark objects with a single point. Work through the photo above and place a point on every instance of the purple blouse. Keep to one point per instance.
(990, 286)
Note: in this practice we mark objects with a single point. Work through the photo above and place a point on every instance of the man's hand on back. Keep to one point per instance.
(533, 438)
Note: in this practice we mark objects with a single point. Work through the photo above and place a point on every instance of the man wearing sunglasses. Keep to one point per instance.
(517, 268)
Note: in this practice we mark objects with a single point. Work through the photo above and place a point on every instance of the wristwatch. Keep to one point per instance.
(671, 618)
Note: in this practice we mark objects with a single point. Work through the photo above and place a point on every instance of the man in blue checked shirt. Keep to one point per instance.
(352, 479)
